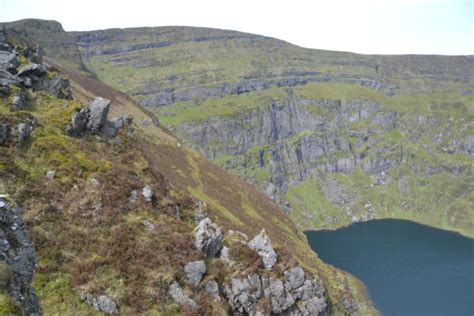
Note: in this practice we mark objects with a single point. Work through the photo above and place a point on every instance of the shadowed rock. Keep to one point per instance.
(208, 237)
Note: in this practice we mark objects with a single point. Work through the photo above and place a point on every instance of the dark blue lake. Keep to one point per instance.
(408, 268)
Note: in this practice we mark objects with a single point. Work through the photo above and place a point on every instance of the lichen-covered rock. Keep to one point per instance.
(101, 303)
(194, 271)
(262, 245)
(78, 122)
(180, 297)
(208, 237)
(98, 111)
(32, 69)
(17, 251)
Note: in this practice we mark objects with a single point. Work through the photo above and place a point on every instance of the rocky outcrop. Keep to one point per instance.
(208, 237)
(262, 245)
(93, 119)
(17, 251)
(101, 303)
(294, 294)
(97, 116)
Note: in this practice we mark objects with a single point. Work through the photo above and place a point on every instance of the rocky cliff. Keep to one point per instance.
(119, 217)
(332, 137)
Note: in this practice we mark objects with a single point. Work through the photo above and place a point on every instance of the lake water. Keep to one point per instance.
(408, 268)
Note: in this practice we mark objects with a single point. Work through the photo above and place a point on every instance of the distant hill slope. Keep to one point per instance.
(100, 237)
(333, 137)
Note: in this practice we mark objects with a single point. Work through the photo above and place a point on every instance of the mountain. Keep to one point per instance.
(104, 210)
(332, 137)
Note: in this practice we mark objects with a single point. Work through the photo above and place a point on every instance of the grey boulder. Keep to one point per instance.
(195, 271)
(98, 111)
(262, 245)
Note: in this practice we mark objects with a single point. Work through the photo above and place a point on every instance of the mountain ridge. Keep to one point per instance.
(133, 200)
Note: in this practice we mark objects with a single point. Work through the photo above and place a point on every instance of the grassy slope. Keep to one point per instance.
(106, 249)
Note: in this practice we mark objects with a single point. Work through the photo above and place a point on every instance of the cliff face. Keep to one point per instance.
(332, 137)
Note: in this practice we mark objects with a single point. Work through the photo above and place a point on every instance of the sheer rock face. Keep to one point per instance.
(208, 237)
(261, 244)
(17, 251)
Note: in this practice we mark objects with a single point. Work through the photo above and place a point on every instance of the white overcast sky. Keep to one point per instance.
(362, 26)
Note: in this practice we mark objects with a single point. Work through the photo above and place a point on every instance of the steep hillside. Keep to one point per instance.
(120, 212)
(332, 137)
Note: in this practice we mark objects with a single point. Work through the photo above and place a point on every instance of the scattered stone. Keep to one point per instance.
(93, 182)
(212, 287)
(101, 303)
(18, 101)
(195, 271)
(50, 174)
(208, 237)
(98, 110)
(147, 193)
(32, 70)
(262, 245)
(178, 295)
(149, 225)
